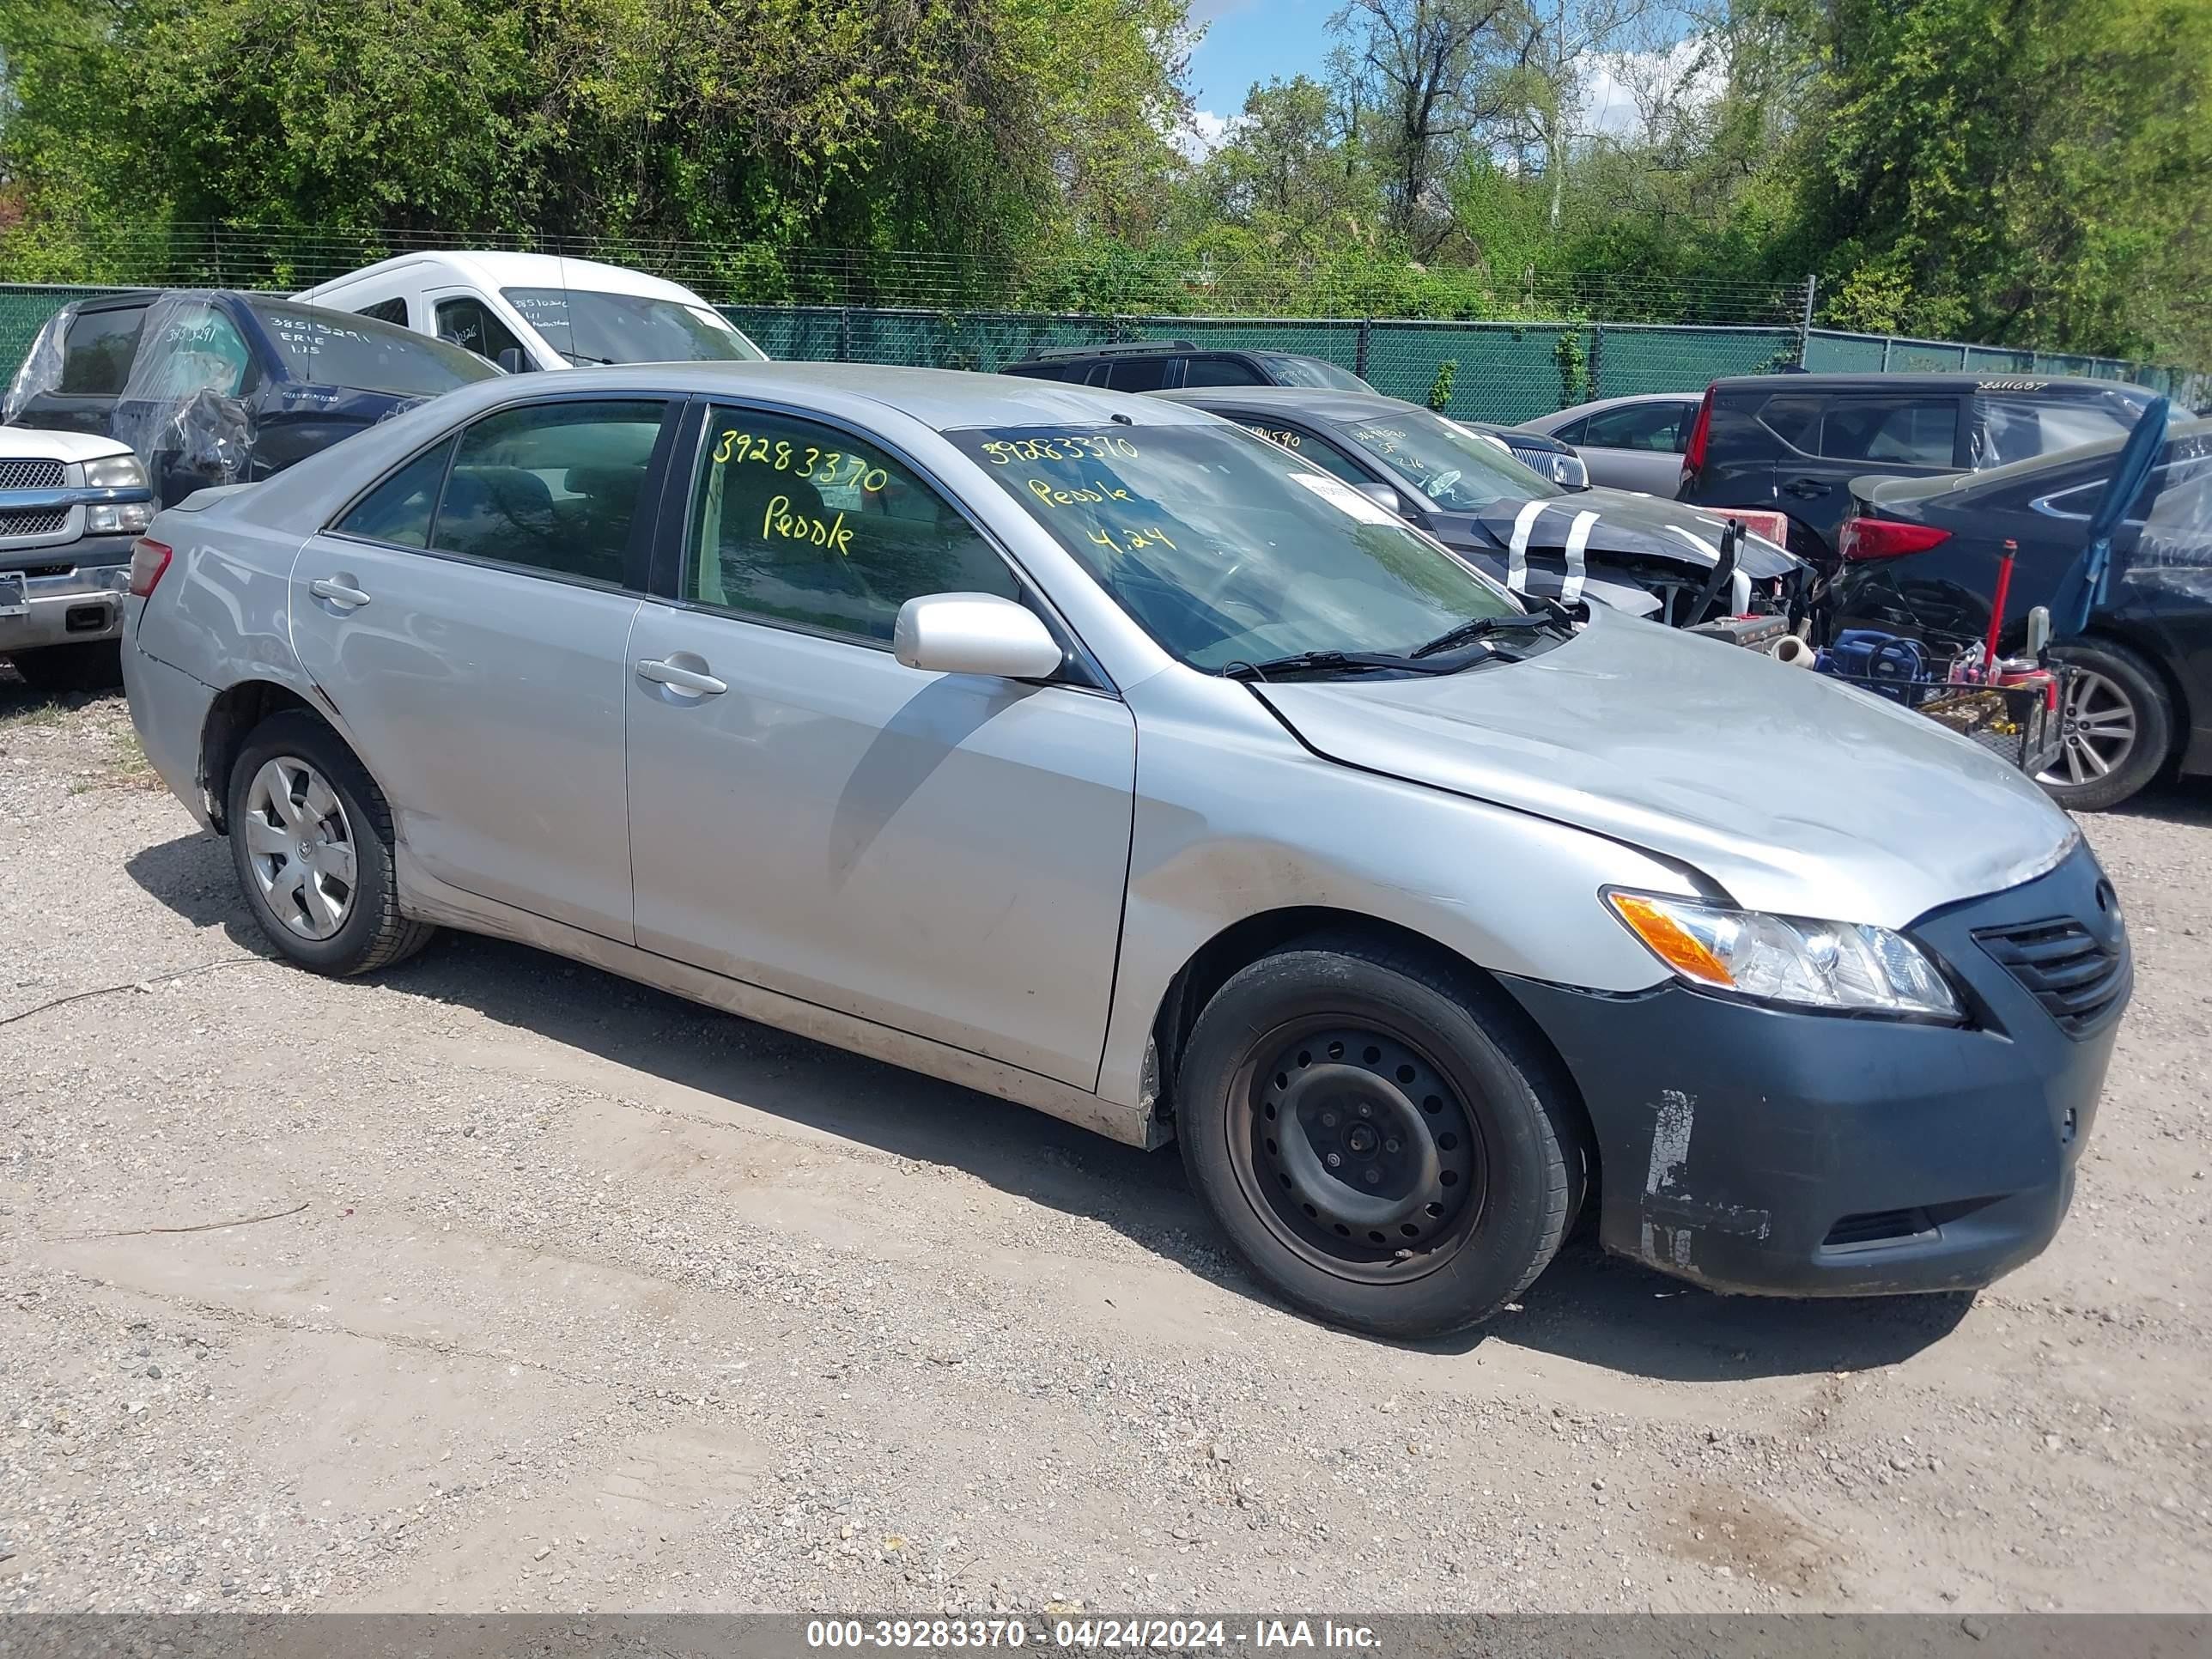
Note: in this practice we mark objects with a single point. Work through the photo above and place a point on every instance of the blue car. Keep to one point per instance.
(211, 387)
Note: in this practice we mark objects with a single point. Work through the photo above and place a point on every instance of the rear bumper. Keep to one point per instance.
(1752, 1149)
(79, 602)
(170, 709)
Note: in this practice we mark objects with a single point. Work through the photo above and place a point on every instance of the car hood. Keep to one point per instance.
(1794, 793)
(23, 443)
(1629, 525)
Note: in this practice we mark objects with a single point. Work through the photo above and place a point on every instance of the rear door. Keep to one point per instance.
(1636, 446)
(1905, 433)
(468, 619)
(943, 854)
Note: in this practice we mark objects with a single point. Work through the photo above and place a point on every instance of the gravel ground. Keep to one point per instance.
(497, 1283)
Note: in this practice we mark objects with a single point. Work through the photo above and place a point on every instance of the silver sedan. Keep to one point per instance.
(1093, 752)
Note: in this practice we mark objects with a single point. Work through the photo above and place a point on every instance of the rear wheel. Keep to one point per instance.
(1384, 1147)
(90, 667)
(2117, 727)
(311, 838)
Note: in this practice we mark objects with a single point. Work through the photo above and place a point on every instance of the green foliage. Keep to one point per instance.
(1573, 359)
(1440, 389)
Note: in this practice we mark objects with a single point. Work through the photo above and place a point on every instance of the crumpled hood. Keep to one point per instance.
(1628, 525)
(1795, 793)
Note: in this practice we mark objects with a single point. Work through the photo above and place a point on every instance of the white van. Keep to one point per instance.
(526, 310)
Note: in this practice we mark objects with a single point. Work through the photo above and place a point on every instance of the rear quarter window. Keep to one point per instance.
(97, 351)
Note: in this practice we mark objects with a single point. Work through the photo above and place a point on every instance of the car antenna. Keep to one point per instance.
(1125, 420)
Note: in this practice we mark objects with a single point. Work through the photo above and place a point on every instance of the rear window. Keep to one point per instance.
(330, 348)
(2016, 428)
(1313, 372)
(97, 350)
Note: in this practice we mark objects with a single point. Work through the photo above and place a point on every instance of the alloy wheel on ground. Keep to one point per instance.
(2098, 730)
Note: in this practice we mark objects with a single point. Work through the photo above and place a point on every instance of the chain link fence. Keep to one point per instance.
(1499, 371)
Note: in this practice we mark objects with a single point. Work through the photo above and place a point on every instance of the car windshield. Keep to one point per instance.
(1313, 372)
(1456, 469)
(334, 348)
(1227, 550)
(587, 327)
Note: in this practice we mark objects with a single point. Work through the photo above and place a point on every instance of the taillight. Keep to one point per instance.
(1862, 539)
(149, 559)
(1693, 458)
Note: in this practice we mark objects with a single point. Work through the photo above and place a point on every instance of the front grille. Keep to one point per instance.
(32, 521)
(2076, 977)
(32, 475)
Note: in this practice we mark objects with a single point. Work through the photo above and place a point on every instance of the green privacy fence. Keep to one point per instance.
(1498, 371)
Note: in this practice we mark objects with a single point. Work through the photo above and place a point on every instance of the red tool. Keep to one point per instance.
(2004, 592)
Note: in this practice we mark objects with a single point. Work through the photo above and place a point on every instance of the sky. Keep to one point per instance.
(1250, 40)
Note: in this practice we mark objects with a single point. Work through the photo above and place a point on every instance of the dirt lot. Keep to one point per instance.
(561, 1294)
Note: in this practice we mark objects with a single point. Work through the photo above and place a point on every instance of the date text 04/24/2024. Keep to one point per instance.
(1171, 1634)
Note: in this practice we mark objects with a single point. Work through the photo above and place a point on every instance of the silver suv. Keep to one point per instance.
(1093, 752)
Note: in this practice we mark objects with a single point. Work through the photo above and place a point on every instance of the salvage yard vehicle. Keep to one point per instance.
(1647, 556)
(1627, 443)
(1080, 748)
(534, 311)
(71, 506)
(1795, 441)
(1176, 365)
(209, 386)
(1919, 556)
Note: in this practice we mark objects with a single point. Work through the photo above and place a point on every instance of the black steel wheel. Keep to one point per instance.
(1360, 1149)
(1387, 1143)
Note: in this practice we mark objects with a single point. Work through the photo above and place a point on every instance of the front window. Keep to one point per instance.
(1313, 372)
(1457, 471)
(587, 327)
(1227, 550)
(334, 348)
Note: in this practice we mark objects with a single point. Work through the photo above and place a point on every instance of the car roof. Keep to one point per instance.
(1323, 403)
(947, 399)
(496, 268)
(1931, 381)
(1596, 404)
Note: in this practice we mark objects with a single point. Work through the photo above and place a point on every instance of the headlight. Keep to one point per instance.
(1842, 965)
(112, 518)
(114, 472)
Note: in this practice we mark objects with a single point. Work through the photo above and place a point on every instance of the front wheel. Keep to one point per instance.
(1384, 1147)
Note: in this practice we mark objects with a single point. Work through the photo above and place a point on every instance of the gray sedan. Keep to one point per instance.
(1092, 752)
(1627, 443)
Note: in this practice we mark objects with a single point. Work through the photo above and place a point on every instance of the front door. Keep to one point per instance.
(469, 620)
(942, 854)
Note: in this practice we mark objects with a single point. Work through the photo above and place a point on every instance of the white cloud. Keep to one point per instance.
(1205, 133)
(1613, 82)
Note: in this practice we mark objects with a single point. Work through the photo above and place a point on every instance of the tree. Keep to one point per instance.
(1426, 77)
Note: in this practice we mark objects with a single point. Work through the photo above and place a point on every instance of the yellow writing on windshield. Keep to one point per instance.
(779, 521)
(1098, 495)
(1131, 540)
(1072, 446)
(807, 461)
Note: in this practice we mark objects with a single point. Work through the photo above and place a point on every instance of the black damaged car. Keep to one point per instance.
(1636, 553)
(211, 386)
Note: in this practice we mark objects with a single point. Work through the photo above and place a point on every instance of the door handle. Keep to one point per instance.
(339, 591)
(1804, 489)
(665, 671)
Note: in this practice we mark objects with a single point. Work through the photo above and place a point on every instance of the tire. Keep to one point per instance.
(2114, 689)
(1401, 1071)
(95, 666)
(296, 785)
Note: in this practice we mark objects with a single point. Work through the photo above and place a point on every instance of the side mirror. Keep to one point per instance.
(973, 633)
(510, 359)
(1382, 495)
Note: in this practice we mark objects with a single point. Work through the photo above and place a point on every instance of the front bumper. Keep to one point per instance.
(1754, 1150)
(73, 592)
